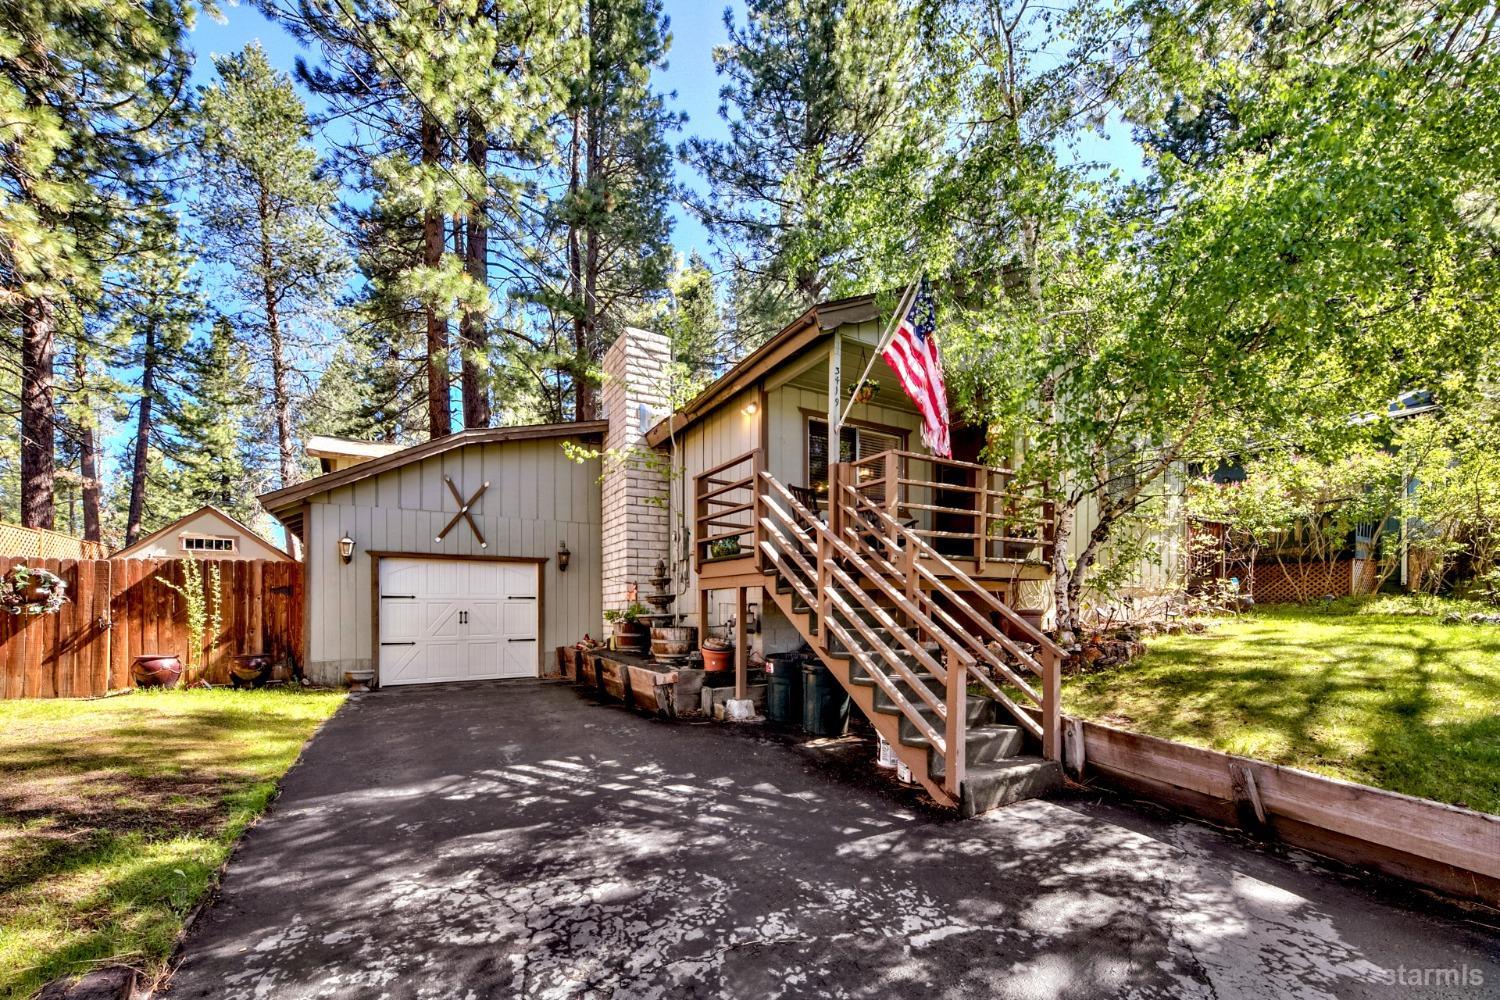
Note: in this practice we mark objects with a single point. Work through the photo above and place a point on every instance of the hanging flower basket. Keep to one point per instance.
(864, 390)
(29, 591)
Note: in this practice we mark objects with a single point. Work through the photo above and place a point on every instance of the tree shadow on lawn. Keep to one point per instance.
(1402, 710)
(110, 829)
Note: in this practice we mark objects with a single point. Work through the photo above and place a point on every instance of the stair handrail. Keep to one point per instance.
(894, 693)
(960, 662)
(848, 612)
(996, 665)
(1050, 666)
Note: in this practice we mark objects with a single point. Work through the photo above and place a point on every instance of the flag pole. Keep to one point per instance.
(885, 337)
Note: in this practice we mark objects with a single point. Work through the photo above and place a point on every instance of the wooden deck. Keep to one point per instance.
(984, 524)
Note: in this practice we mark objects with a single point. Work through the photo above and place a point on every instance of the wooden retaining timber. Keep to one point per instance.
(640, 687)
(118, 609)
(1455, 851)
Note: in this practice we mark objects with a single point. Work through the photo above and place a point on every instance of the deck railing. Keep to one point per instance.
(724, 509)
(962, 509)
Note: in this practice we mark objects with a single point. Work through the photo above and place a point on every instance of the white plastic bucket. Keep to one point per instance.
(903, 773)
(885, 755)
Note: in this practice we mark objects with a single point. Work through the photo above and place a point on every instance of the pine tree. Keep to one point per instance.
(816, 92)
(211, 427)
(265, 206)
(615, 214)
(153, 303)
(91, 98)
(439, 88)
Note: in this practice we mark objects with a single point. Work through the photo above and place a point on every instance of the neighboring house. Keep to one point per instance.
(334, 454)
(477, 554)
(206, 533)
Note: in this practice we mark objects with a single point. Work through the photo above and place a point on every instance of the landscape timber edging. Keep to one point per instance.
(1453, 850)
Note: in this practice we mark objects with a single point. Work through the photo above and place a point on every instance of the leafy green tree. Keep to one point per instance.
(91, 97)
(1306, 258)
(265, 204)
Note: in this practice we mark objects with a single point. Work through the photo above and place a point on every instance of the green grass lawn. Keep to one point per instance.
(116, 813)
(1366, 691)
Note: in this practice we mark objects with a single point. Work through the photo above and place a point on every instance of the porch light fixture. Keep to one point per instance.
(563, 555)
(346, 548)
(751, 408)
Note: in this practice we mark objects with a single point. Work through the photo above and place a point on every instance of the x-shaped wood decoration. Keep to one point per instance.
(463, 512)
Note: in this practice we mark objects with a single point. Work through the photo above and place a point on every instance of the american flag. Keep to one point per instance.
(912, 353)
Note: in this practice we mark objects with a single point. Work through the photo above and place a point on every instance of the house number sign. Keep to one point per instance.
(463, 514)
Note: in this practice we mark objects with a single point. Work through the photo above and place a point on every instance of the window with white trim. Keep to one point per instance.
(208, 543)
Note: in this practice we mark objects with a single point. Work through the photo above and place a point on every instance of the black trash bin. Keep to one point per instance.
(784, 689)
(825, 705)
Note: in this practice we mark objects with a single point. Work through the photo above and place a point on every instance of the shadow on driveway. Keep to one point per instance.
(516, 840)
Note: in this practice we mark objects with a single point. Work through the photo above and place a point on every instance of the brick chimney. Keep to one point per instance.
(634, 487)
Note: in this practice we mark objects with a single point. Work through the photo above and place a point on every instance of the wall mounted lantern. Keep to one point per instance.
(751, 408)
(563, 555)
(346, 548)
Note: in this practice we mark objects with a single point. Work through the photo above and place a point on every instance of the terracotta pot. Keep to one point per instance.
(250, 670)
(715, 660)
(156, 670)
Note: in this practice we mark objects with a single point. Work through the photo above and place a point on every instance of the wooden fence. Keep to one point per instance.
(118, 609)
(38, 543)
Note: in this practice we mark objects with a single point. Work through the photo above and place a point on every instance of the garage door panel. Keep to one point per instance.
(519, 658)
(484, 618)
(400, 620)
(460, 618)
(440, 620)
(518, 618)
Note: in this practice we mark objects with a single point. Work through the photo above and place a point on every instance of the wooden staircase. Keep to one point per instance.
(915, 643)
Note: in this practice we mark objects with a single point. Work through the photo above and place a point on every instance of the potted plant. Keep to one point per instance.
(718, 654)
(629, 632)
(864, 390)
(724, 548)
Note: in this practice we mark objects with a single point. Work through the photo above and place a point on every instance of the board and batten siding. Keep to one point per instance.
(537, 497)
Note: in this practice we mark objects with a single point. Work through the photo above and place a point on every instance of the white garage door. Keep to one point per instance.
(457, 620)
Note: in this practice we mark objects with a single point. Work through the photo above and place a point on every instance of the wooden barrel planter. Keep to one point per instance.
(152, 670)
(673, 640)
(631, 637)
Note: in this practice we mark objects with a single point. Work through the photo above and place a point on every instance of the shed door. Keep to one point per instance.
(457, 620)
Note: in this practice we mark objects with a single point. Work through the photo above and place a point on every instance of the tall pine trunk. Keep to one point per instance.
(38, 413)
(142, 439)
(439, 412)
(583, 390)
(473, 334)
(281, 396)
(88, 454)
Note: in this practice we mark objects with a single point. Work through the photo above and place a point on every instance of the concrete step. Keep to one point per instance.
(999, 783)
(983, 744)
(979, 712)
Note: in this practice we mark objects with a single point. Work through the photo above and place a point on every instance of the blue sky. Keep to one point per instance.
(689, 77)
(697, 27)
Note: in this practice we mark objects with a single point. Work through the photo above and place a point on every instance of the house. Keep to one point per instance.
(477, 554)
(206, 533)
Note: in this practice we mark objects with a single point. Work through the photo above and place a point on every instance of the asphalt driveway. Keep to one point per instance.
(516, 840)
